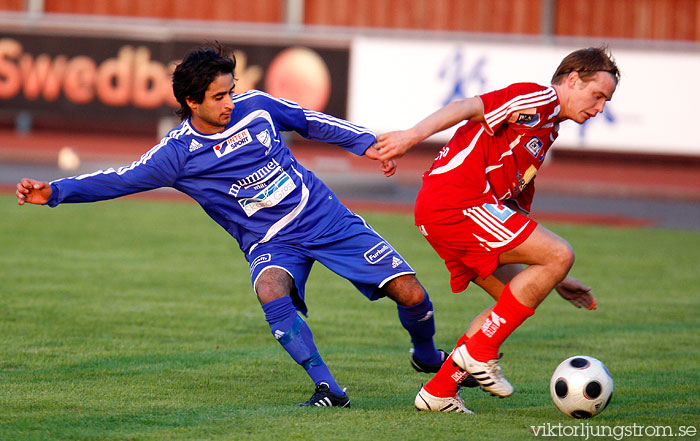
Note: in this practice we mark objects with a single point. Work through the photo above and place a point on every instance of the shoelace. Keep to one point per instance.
(459, 403)
(494, 369)
(317, 396)
(320, 395)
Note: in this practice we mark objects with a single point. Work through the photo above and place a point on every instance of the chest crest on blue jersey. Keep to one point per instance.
(233, 143)
(264, 138)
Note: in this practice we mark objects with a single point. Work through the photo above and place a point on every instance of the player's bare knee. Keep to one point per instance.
(273, 284)
(562, 258)
(405, 290)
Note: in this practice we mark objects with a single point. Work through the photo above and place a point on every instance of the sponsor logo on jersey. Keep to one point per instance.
(233, 143)
(256, 178)
(378, 252)
(395, 261)
(528, 119)
(195, 145)
(279, 334)
(260, 259)
(272, 195)
(534, 146)
(525, 179)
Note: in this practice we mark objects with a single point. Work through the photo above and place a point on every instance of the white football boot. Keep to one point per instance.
(488, 374)
(426, 401)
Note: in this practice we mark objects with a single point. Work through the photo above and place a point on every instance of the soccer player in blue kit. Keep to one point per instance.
(228, 154)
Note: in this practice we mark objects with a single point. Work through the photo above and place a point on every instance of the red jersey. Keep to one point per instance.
(496, 160)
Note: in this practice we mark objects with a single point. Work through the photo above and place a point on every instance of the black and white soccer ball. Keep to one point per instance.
(581, 386)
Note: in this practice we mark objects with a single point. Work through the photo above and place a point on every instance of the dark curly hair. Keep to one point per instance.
(196, 72)
(587, 62)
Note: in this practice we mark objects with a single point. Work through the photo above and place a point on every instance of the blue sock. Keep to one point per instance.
(292, 332)
(418, 321)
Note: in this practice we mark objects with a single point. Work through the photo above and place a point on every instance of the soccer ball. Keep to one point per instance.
(581, 386)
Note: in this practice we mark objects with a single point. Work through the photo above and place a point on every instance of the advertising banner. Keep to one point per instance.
(396, 83)
(108, 82)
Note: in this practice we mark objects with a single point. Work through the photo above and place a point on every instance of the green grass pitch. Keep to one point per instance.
(135, 320)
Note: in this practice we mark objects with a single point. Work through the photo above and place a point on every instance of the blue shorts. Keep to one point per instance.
(351, 249)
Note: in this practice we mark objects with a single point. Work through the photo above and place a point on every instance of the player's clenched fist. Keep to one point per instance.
(34, 192)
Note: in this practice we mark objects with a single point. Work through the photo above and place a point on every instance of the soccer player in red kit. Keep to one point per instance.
(473, 206)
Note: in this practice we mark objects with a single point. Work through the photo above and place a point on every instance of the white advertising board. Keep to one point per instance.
(396, 83)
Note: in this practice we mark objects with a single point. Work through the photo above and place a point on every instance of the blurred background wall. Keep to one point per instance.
(637, 19)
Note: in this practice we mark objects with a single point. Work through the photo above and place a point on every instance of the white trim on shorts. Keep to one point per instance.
(392, 277)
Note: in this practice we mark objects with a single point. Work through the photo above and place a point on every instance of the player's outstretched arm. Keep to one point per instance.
(394, 145)
(34, 192)
(577, 293)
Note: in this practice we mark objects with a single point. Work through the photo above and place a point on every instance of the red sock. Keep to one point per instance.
(445, 382)
(506, 316)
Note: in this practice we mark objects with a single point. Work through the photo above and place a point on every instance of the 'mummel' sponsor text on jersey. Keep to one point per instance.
(244, 177)
(496, 160)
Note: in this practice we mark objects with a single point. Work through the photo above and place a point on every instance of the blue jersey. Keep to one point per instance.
(244, 177)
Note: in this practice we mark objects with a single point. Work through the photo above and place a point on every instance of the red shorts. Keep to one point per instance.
(471, 247)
